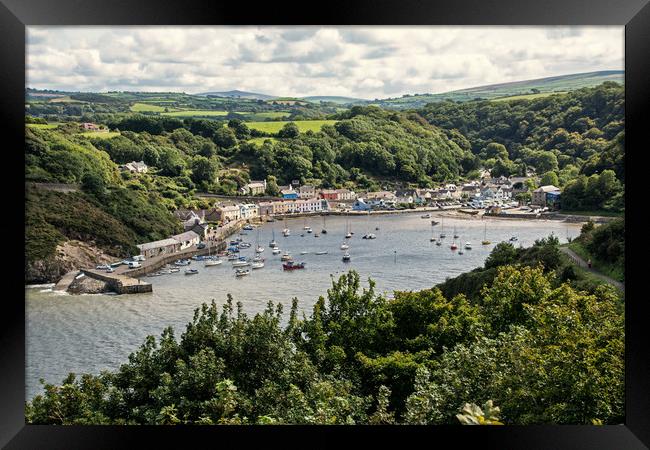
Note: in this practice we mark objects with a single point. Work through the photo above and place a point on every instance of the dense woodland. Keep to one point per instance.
(528, 332)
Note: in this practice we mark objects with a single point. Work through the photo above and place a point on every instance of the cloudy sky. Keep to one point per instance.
(362, 62)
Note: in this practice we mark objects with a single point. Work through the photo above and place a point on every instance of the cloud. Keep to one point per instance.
(367, 62)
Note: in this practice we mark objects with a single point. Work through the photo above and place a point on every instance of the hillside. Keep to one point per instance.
(563, 83)
(238, 94)
(334, 99)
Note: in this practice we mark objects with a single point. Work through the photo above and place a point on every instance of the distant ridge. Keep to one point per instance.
(239, 94)
(333, 99)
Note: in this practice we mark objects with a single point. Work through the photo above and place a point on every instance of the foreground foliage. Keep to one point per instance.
(543, 351)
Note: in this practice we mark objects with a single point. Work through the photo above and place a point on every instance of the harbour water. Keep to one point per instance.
(89, 333)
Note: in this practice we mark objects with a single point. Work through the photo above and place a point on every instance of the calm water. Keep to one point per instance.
(87, 333)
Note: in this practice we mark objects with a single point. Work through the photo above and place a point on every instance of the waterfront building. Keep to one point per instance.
(539, 194)
(157, 248)
(360, 205)
(307, 191)
(229, 213)
(329, 194)
(187, 239)
(265, 208)
(248, 211)
(345, 194)
(289, 193)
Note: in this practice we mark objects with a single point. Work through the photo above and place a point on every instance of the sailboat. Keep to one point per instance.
(485, 241)
(346, 256)
(258, 247)
(460, 250)
(348, 235)
(211, 260)
(273, 244)
(442, 229)
(344, 246)
(432, 238)
(323, 231)
(369, 235)
(455, 234)
(453, 245)
(286, 231)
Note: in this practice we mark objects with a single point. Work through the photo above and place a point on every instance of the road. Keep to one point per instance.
(583, 264)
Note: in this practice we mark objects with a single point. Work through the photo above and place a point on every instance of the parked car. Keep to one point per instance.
(102, 267)
(138, 258)
(109, 269)
(134, 265)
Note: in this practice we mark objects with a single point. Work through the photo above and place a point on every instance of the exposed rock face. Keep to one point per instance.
(87, 285)
(69, 256)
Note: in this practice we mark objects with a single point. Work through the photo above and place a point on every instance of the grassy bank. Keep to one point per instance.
(611, 270)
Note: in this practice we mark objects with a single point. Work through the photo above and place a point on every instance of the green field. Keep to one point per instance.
(261, 116)
(143, 107)
(303, 125)
(195, 113)
(43, 126)
(526, 96)
(100, 134)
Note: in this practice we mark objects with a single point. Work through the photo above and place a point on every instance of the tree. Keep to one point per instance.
(204, 169)
(289, 131)
(549, 178)
(224, 137)
(93, 184)
(272, 187)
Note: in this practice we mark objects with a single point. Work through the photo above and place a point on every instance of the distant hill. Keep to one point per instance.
(333, 99)
(239, 94)
(558, 84)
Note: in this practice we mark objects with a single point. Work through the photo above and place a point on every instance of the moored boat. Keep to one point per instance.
(191, 272)
(290, 265)
(257, 265)
(242, 272)
(346, 257)
(286, 256)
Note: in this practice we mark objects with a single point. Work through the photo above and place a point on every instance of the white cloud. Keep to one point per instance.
(367, 62)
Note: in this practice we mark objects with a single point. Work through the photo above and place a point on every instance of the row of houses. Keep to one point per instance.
(225, 213)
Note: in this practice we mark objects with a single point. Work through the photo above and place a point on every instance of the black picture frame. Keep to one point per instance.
(16, 14)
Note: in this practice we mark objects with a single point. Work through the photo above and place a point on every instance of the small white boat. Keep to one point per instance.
(191, 271)
(257, 265)
(514, 238)
(321, 253)
(258, 258)
(275, 251)
(348, 236)
(286, 232)
(468, 245)
(344, 246)
(309, 230)
(247, 227)
(212, 262)
(242, 272)
(425, 216)
(370, 236)
(233, 257)
(259, 249)
(174, 270)
(303, 253)
(241, 263)
(286, 257)
(316, 235)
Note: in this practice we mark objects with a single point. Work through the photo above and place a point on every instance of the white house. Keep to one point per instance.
(248, 211)
(187, 239)
(135, 167)
(230, 212)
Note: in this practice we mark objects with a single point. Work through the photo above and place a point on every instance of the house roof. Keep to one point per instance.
(548, 188)
(157, 244)
(187, 236)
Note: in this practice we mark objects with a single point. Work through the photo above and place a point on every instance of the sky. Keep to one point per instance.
(362, 62)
